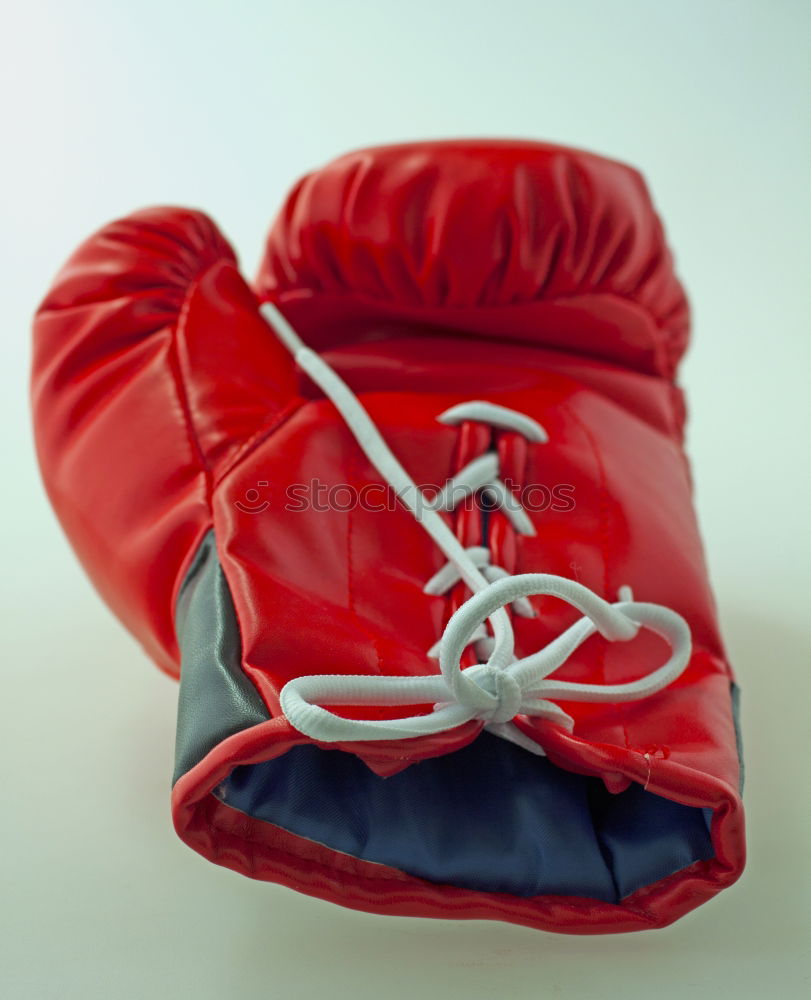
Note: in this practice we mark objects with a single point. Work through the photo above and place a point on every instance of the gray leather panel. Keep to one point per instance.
(735, 691)
(216, 699)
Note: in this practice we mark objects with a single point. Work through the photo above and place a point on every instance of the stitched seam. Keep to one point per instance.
(260, 436)
(594, 293)
(604, 546)
(662, 325)
(350, 570)
(180, 385)
(350, 597)
(180, 388)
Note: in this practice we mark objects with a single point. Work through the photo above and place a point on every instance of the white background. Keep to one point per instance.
(111, 106)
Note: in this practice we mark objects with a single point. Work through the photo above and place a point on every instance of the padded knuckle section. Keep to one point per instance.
(506, 226)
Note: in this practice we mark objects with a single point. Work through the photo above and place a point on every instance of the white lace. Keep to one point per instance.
(497, 690)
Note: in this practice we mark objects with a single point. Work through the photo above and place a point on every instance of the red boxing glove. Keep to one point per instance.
(414, 526)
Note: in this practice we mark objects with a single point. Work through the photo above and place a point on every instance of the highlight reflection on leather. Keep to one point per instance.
(429, 274)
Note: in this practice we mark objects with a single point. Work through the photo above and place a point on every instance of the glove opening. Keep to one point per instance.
(529, 828)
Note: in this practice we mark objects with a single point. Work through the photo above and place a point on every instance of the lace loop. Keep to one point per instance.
(482, 474)
(495, 416)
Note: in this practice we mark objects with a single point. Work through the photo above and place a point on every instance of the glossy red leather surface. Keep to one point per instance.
(511, 240)
(527, 275)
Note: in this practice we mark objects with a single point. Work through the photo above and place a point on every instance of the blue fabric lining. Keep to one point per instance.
(490, 817)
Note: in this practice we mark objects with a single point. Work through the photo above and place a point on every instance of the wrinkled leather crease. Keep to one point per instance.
(171, 426)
